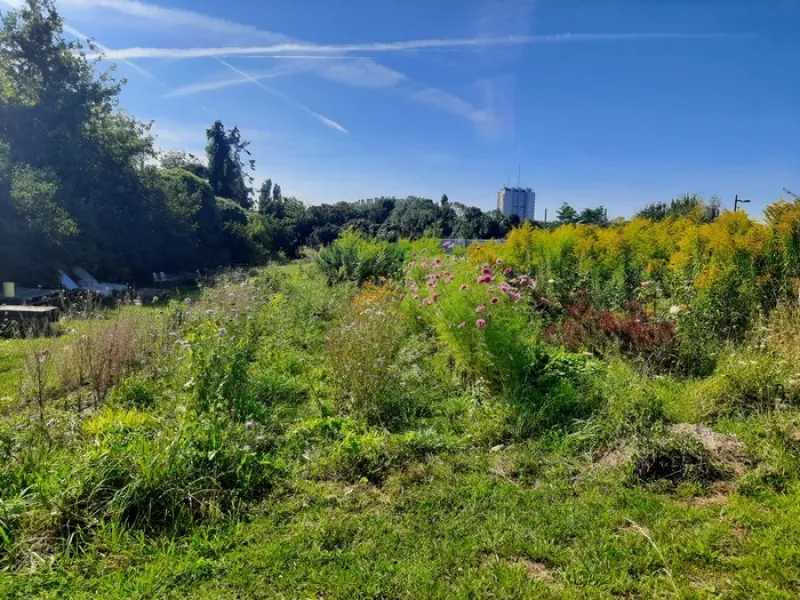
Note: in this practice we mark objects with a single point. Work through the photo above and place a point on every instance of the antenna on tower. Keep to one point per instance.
(519, 170)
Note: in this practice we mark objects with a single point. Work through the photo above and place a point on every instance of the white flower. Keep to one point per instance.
(674, 309)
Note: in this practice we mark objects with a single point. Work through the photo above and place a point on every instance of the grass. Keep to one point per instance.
(249, 462)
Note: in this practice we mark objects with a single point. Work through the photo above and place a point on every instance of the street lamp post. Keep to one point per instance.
(739, 201)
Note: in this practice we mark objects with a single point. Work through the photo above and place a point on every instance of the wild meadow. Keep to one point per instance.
(579, 412)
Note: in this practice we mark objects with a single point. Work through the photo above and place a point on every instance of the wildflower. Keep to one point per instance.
(463, 287)
(480, 323)
(499, 261)
(451, 326)
(249, 424)
(645, 284)
(438, 261)
(187, 301)
(222, 331)
(507, 271)
(487, 271)
(231, 295)
(416, 296)
(495, 300)
(517, 297)
(424, 262)
(419, 318)
(259, 438)
(435, 297)
(674, 309)
(424, 250)
(480, 309)
(411, 264)
(452, 278)
(462, 324)
(427, 301)
(187, 346)
(488, 316)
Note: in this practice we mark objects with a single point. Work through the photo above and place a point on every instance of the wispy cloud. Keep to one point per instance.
(173, 16)
(403, 46)
(450, 103)
(105, 49)
(217, 84)
(321, 118)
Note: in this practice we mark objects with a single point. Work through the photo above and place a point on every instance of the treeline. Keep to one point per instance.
(81, 182)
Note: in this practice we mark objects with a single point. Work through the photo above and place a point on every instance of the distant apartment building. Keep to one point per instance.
(517, 201)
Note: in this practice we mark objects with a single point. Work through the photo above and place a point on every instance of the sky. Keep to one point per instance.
(612, 102)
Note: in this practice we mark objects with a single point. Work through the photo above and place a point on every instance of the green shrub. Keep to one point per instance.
(744, 382)
(353, 258)
(135, 392)
(169, 481)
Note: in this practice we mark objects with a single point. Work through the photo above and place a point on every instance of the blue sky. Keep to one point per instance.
(614, 102)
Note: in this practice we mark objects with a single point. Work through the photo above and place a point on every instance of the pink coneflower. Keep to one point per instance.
(463, 287)
(452, 278)
(435, 297)
(495, 300)
(499, 261)
(645, 284)
(414, 254)
(507, 271)
(487, 271)
(438, 261)
(424, 262)
(419, 318)
(424, 250)
(462, 324)
(485, 279)
(416, 296)
(480, 323)
(427, 301)
(411, 264)
(480, 309)
(517, 297)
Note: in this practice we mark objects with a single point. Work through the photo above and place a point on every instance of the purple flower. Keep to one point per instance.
(495, 300)
(480, 323)
(249, 424)
(480, 309)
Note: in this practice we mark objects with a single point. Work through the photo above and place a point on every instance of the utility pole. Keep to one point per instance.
(739, 201)
(545, 217)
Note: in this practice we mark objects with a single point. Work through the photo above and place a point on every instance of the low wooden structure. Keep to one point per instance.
(30, 296)
(18, 319)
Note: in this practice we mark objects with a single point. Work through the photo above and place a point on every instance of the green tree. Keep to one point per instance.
(276, 193)
(566, 215)
(593, 216)
(264, 195)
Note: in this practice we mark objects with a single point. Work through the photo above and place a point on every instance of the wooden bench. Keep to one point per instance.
(18, 319)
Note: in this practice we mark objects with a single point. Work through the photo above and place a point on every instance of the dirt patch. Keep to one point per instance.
(727, 450)
(613, 459)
